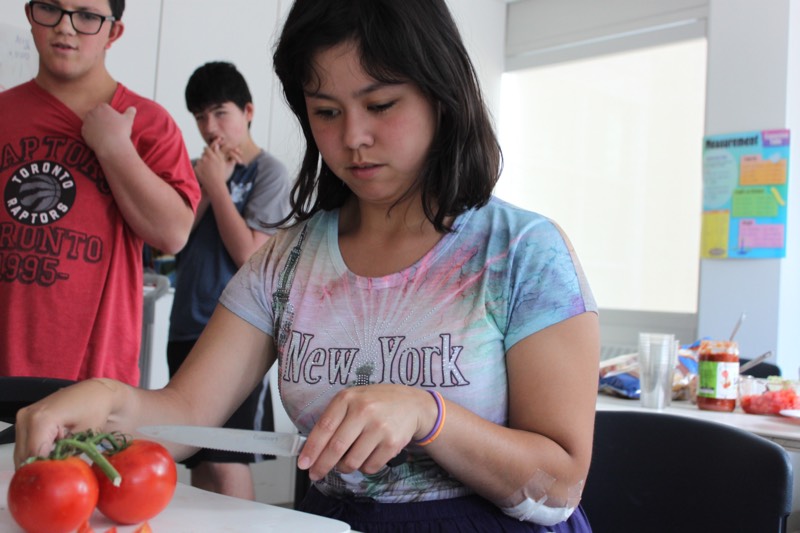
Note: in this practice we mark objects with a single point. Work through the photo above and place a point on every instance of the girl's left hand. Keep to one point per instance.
(364, 427)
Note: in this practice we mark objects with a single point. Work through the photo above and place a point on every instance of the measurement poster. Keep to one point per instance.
(745, 188)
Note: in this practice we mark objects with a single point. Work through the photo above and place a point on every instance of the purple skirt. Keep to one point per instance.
(469, 514)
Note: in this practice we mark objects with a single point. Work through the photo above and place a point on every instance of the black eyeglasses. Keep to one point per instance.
(83, 22)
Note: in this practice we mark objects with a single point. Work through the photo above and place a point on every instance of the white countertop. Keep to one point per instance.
(192, 510)
(785, 431)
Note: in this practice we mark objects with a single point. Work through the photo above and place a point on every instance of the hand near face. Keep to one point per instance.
(215, 166)
(105, 129)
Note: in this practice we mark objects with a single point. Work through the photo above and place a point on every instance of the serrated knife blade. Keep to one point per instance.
(236, 440)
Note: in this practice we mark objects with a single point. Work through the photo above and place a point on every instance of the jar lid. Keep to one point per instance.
(719, 347)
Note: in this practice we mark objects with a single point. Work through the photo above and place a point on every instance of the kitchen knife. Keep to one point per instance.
(239, 440)
(236, 440)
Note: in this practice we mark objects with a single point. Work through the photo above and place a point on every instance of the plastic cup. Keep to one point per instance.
(657, 357)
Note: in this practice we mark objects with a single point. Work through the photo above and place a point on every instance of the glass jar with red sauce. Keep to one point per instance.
(718, 375)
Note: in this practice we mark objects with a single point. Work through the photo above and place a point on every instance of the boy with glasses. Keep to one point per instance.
(90, 171)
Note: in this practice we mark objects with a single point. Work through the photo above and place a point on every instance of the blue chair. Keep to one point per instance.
(657, 472)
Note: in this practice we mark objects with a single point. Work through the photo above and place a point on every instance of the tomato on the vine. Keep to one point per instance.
(149, 477)
(52, 496)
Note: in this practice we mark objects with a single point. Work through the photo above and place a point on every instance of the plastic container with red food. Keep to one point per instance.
(768, 396)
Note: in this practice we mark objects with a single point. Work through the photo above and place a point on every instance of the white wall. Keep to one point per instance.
(13, 13)
(132, 60)
(753, 82)
(165, 40)
(753, 76)
(547, 31)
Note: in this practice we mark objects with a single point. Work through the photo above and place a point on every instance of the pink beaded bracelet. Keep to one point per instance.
(437, 427)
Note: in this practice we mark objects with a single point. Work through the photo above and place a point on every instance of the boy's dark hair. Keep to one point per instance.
(117, 7)
(413, 41)
(215, 83)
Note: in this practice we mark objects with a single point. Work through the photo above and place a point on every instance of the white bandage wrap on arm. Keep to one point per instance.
(529, 503)
(536, 511)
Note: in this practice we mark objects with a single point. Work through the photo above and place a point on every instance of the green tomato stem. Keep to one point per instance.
(88, 445)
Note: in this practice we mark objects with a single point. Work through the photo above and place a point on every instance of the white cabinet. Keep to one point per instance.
(194, 32)
(132, 60)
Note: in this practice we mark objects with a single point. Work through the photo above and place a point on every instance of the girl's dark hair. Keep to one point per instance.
(215, 83)
(117, 7)
(413, 41)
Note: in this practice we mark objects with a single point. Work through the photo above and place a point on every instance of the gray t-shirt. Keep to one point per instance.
(260, 192)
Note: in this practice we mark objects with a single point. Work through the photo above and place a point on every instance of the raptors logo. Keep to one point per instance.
(40, 193)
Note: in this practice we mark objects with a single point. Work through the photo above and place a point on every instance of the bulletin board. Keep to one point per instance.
(745, 187)
(19, 61)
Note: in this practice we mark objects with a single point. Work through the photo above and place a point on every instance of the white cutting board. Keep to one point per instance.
(193, 511)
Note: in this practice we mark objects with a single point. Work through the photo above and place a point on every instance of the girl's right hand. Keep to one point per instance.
(85, 405)
(364, 427)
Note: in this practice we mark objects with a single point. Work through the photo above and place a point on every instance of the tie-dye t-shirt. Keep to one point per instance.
(444, 323)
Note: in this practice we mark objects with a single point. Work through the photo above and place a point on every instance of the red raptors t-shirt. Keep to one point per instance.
(70, 266)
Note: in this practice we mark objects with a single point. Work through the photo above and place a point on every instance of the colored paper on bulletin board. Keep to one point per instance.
(745, 187)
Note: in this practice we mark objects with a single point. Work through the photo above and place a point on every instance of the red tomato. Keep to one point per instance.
(149, 477)
(53, 495)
